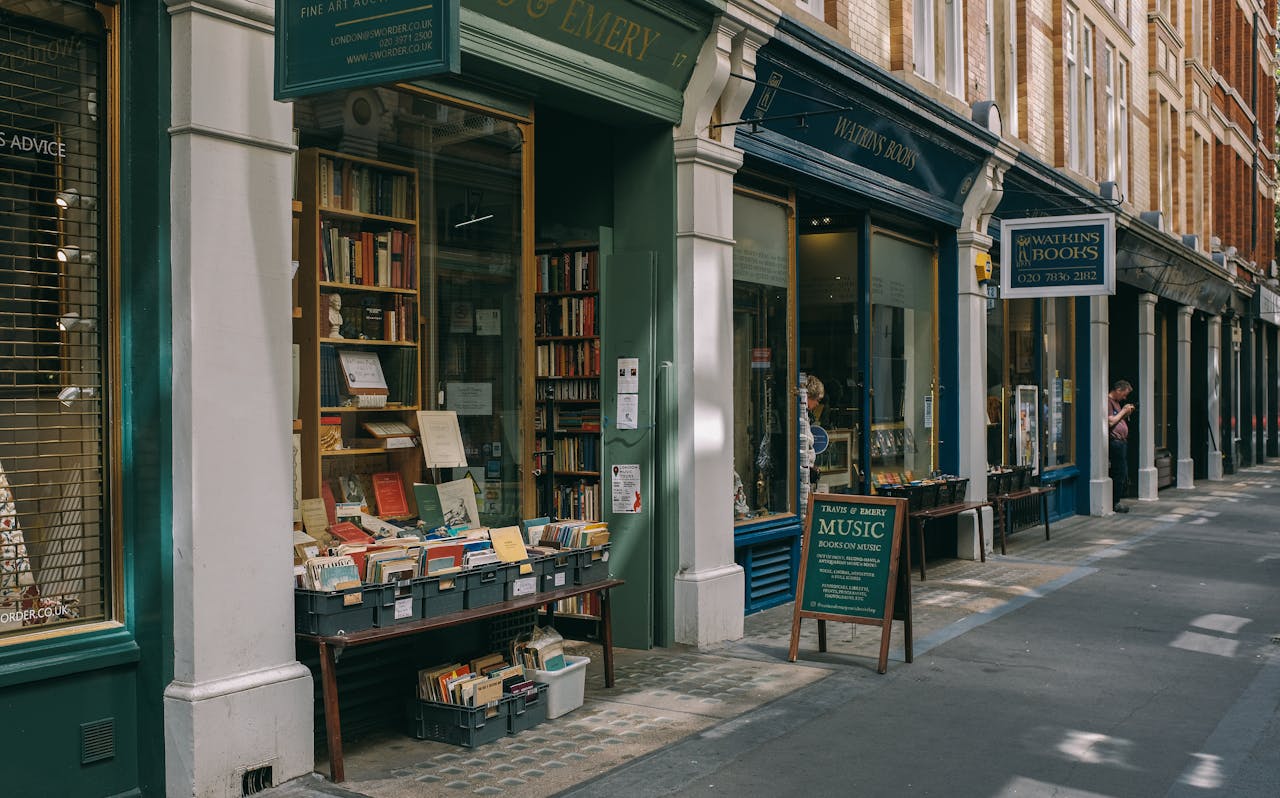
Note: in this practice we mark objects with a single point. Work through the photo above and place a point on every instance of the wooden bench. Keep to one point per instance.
(1001, 501)
(331, 647)
(921, 517)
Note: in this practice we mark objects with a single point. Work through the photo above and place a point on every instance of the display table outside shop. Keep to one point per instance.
(331, 646)
(919, 518)
(1001, 502)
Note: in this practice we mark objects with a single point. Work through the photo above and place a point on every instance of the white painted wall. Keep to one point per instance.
(238, 698)
(1096, 407)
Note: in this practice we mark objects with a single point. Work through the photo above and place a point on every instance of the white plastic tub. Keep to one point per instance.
(565, 687)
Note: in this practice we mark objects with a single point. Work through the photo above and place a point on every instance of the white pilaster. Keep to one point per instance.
(709, 586)
(1249, 388)
(1148, 482)
(1214, 398)
(1264, 389)
(1186, 465)
(1096, 405)
(238, 698)
(971, 317)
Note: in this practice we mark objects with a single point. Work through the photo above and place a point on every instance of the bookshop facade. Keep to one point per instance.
(850, 216)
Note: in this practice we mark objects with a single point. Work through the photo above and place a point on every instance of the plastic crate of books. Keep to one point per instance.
(395, 602)
(912, 493)
(317, 612)
(487, 584)
(592, 565)
(946, 492)
(566, 688)
(527, 709)
(556, 570)
(441, 595)
(458, 725)
(959, 487)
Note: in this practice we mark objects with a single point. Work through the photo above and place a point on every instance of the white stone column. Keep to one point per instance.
(1264, 389)
(1096, 405)
(709, 585)
(238, 698)
(1148, 481)
(971, 318)
(1249, 391)
(1214, 398)
(1186, 464)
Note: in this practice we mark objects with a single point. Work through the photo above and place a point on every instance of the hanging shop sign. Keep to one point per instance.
(1266, 305)
(325, 45)
(849, 568)
(798, 106)
(1058, 256)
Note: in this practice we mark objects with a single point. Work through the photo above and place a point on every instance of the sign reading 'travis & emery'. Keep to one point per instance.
(1058, 256)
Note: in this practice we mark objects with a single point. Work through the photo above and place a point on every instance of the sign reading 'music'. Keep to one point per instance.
(1058, 256)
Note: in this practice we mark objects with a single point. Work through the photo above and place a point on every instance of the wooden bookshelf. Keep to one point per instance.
(567, 366)
(359, 240)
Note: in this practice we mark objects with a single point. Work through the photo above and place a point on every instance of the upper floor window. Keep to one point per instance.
(57, 378)
(1071, 89)
(923, 41)
(814, 7)
(1122, 125)
(953, 47)
(1088, 121)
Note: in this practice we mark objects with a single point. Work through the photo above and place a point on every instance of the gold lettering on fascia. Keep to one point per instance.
(604, 29)
(875, 143)
(320, 9)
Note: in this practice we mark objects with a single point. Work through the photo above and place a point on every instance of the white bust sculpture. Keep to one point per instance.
(335, 315)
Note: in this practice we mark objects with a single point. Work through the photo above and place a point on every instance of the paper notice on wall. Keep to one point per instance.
(628, 410)
(625, 488)
(628, 375)
(928, 412)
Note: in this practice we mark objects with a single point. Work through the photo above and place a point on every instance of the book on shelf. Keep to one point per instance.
(568, 358)
(354, 186)
(568, 270)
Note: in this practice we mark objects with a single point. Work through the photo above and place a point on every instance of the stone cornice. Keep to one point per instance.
(242, 12)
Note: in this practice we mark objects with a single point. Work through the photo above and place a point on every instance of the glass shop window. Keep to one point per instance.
(764, 460)
(57, 326)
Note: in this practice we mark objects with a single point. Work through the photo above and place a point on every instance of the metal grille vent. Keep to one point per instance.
(255, 780)
(97, 740)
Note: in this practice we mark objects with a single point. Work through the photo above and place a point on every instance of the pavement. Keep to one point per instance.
(1131, 655)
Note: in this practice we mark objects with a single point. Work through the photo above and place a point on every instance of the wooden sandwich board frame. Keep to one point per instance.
(852, 578)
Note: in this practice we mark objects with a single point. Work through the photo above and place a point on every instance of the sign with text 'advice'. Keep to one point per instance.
(1058, 256)
(849, 566)
(324, 45)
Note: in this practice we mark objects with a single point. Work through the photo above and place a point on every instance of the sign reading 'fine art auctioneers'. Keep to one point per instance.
(1058, 256)
(323, 45)
(849, 567)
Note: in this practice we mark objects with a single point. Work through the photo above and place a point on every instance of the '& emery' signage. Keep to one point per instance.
(1058, 256)
(323, 45)
(635, 36)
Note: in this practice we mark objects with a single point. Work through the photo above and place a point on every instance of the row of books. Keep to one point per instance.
(568, 359)
(578, 419)
(568, 270)
(399, 370)
(478, 683)
(565, 316)
(577, 500)
(572, 390)
(345, 185)
(586, 604)
(574, 533)
(375, 318)
(576, 452)
(385, 259)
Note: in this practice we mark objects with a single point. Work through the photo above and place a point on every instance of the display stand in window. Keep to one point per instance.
(359, 329)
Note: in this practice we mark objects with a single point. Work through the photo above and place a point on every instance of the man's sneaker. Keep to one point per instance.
(1120, 508)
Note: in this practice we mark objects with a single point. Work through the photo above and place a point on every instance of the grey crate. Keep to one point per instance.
(318, 612)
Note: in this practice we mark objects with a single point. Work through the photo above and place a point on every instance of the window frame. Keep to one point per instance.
(109, 423)
(1071, 82)
(924, 42)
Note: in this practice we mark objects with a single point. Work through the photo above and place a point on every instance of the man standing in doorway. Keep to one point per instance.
(1118, 414)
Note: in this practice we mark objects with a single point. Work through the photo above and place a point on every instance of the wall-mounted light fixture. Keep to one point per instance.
(71, 322)
(71, 198)
(71, 393)
(73, 254)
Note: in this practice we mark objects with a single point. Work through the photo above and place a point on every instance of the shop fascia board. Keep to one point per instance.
(849, 74)
(776, 148)
(507, 46)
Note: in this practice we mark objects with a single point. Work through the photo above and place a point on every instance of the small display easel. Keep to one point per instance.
(849, 568)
